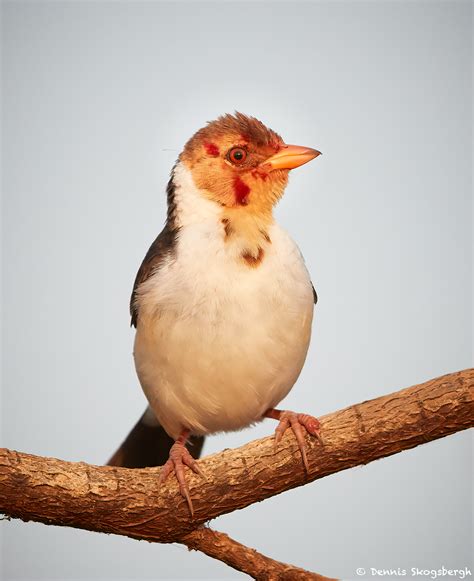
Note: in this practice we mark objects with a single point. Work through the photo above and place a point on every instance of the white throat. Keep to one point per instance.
(196, 212)
(192, 206)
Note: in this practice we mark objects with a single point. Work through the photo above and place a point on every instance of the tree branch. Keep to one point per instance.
(128, 502)
(222, 547)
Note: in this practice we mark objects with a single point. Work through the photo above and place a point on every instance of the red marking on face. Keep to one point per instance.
(211, 149)
(241, 190)
(245, 138)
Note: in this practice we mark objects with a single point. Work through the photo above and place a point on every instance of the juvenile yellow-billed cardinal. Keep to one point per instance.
(222, 303)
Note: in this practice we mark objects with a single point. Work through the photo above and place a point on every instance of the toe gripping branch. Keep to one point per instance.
(297, 422)
(179, 458)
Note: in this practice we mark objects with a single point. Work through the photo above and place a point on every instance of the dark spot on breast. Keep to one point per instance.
(211, 149)
(227, 227)
(241, 190)
(254, 261)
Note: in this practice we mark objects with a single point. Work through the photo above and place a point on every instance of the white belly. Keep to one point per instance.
(218, 342)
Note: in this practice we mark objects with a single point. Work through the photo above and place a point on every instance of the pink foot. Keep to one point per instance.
(179, 458)
(296, 422)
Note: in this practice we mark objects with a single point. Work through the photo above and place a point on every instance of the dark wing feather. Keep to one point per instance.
(162, 246)
(158, 251)
(315, 294)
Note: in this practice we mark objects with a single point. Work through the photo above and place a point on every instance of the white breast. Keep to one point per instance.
(218, 343)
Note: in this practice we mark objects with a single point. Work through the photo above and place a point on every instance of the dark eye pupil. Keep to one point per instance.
(238, 155)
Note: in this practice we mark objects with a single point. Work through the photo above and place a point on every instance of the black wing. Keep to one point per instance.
(158, 251)
(315, 294)
(162, 246)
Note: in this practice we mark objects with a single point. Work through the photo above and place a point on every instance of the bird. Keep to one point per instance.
(222, 302)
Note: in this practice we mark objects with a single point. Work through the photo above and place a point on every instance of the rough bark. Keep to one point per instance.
(222, 547)
(128, 502)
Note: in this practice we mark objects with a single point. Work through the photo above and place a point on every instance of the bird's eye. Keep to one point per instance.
(237, 155)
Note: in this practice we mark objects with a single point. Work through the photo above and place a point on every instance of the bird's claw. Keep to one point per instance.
(179, 458)
(297, 422)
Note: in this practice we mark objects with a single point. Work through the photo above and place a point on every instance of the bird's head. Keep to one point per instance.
(240, 163)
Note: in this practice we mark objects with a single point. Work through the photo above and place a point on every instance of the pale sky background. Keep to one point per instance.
(98, 98)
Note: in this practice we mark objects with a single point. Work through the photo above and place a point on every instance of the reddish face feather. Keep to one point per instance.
(276, 145)
(259, 173)
(211, 149)
(241, 190)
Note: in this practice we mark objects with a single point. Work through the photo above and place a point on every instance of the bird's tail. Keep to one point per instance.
(149, 445)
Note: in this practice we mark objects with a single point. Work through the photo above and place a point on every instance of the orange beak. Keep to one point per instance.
(291, 156)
